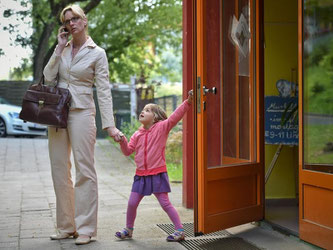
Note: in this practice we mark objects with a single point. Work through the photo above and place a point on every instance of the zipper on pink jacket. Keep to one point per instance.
(145, 160)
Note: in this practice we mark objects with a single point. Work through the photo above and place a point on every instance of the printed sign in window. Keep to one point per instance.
(275, 132)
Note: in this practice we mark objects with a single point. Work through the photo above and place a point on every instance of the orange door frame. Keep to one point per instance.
(188, 80)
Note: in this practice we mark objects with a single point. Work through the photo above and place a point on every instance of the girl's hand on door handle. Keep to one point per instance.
(190, 96)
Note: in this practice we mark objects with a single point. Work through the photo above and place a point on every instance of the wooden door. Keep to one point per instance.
(229, 143)
(316, 122)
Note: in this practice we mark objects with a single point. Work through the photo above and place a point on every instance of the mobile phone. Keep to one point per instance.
(65, 30)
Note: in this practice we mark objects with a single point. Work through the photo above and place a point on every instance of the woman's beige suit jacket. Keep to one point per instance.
(89, 67)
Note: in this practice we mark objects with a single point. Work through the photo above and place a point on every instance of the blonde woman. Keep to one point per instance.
(78, 64)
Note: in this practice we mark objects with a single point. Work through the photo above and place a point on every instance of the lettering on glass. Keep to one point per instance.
(275, 132)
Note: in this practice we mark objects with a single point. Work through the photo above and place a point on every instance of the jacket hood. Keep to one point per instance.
(142, 129)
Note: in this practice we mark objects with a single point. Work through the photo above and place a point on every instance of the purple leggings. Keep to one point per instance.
(164, 201)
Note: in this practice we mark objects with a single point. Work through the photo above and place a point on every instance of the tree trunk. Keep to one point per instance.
(42, 51)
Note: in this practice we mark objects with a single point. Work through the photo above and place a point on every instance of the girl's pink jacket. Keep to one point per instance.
(149, 145)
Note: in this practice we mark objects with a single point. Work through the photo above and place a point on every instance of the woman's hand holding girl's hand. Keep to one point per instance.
(115, 133)
(190, 96)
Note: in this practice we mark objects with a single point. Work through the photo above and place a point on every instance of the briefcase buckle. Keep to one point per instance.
(41, 103)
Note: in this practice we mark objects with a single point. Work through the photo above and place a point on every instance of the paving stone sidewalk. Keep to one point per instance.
(27, 204)
(27, 207)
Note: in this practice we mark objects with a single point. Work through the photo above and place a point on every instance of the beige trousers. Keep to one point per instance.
(76, 206)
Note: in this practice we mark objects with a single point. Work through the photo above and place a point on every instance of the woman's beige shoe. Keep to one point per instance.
(61, 236)
(82, 240)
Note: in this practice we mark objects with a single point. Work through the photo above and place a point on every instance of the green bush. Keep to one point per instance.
(174, 155)
(173, 151)
(318, 53)
(317, 88)
(129, 128)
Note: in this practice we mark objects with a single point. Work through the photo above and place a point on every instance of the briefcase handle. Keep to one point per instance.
(41, 83)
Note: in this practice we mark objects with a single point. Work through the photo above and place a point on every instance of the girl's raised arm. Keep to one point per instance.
(178, 114)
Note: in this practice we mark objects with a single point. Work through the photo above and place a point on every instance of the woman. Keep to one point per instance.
(77, 65)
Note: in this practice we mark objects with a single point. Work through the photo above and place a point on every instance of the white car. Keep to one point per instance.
(11, 124)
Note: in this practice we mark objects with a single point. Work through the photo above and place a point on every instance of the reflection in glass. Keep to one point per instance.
(238, 82)
(229, 66)
(318, 84)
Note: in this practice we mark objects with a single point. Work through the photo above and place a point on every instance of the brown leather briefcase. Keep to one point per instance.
(46, 105)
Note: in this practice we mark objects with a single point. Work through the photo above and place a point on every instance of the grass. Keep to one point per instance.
(317, 137)
(175, 172)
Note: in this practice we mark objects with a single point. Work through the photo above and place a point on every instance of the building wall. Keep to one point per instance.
(280, 60)
(13, 91)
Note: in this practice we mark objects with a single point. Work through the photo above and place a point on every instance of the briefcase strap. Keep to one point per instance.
(42, 81)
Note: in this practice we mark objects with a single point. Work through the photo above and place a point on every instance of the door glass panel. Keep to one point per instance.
(238, 82)
(244, 82)
(229, 66)
(318, 85)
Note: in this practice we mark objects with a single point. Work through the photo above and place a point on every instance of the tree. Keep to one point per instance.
(133, 33)
(45, 21)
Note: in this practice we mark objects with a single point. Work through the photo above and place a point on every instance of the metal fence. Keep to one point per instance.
(13, 91)
(169, 103)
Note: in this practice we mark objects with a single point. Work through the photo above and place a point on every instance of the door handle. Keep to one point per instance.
(212, 90)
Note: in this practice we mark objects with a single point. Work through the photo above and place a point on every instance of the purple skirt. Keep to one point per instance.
(147, 185)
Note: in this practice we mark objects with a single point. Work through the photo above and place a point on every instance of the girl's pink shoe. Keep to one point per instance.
(176, 236)
(124, 234)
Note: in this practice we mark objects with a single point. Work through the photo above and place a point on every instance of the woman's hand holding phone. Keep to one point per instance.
(63, 34)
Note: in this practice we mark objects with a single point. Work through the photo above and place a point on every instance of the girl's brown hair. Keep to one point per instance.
(159, 113)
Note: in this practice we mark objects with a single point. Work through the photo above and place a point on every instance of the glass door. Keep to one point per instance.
(316, 121)
(229, 108)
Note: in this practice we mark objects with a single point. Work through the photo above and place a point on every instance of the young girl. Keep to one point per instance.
(151, 176)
